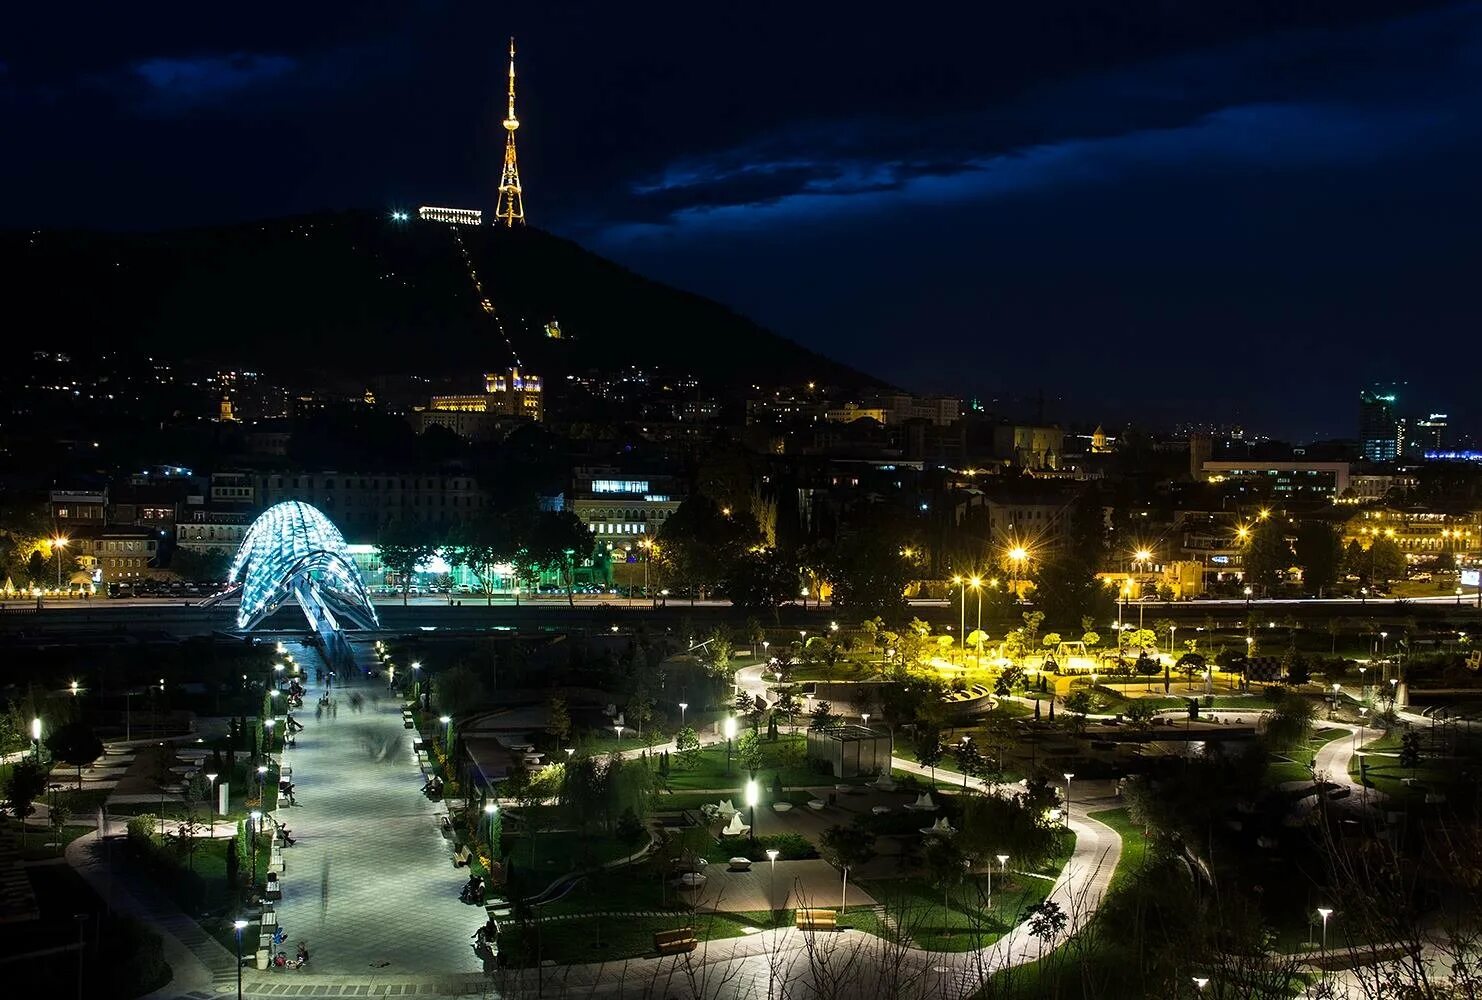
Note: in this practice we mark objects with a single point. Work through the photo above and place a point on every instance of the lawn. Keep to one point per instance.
(1296, 764)
(37, 839)
(1381, 766)
(786, 756)
(606, 939)
(557, 852)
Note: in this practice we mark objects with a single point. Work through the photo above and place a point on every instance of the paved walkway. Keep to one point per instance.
(370, 883)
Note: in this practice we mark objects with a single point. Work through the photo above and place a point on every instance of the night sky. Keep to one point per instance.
(1222, 209)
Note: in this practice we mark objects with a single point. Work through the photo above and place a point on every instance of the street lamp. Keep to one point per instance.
(447, 721)
(751, 804)
(255, 824)
(239, 926)
(977, 584)
(1325, 913)
(417, 682)
(1018, 555)
(682, 706)
(211, 791)
(866, 717)
(617, 727)
(1200, 982)
(60, 543)
(74, 689)
(1003, 869)
(36, 735)
(1068, 776)
(730, 731)
(772, 892)
(961, 585)
(1248, 592)
(490, 808)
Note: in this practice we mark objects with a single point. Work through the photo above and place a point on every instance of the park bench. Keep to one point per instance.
(675, 942)
(816, 920)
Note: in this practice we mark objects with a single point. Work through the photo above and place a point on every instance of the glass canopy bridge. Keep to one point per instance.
(292, 550)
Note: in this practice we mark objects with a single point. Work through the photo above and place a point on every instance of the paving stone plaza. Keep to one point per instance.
(370, 883)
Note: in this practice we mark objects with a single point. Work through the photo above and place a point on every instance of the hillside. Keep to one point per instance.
(361, 294)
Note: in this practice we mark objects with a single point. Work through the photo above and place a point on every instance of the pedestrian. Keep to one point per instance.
(319, 710)
(334, 710)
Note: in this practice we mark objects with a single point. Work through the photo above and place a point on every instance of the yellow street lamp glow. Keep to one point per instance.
(976, 581)
(730, 727)
(956, 580)
(1142, 555)
(1242, 532)
(1264, 514)
(1018, 553)
(751, 793)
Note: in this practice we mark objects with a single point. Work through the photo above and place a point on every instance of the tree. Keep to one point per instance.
(1267, 555)
(36, 567)
(457, 690)
(1386, 561)
(23, 786)
(761, 579)
(823, 716)
(969, 760)
(483, 543)
(1066, 586)
(1047, 921)
(558, 720)
(190, 564)
(749, 752)
(715, 653)
(1319, 551)
(75, 743)
(867, 569)
(405, 545)
(557, 540)
(929, 749)
(946, 866)
(687, 745)
(1289, 724)
(701, 542)
(1410, 750)
(847, 847)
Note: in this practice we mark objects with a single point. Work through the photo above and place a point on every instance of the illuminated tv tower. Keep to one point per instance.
(511, 207)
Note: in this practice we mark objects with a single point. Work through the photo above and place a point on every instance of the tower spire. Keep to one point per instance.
(511, 207)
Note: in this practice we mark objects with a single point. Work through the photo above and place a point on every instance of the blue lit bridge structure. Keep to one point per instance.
(292, 550)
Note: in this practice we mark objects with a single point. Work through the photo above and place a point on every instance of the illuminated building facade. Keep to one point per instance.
(1422, 535)
(1281, 479)
(620, 510)
(452, 216)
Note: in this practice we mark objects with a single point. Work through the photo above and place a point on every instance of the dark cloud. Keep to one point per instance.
(190, 82)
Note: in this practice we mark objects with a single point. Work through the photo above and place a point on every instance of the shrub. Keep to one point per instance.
(792, 847)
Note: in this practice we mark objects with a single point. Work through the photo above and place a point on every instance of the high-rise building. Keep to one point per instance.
(1430, 433)
(1378, 427)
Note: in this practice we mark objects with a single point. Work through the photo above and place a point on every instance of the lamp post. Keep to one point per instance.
(1068, 776)
(961, 586)
(447, 721)
(239, 925)
(211, 791)
(1200, 982)
(1018, 555)
(59, 543)
(1003, 869)
(751, 804)
(490, 808)
(255, 823)
(36, 737)
(617, 728)
(682, 706)
(417, 682)
(866, 718)
(1172, 638)
(772, 892)
(1325, 913)
(730, 731)
(1248, 592)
